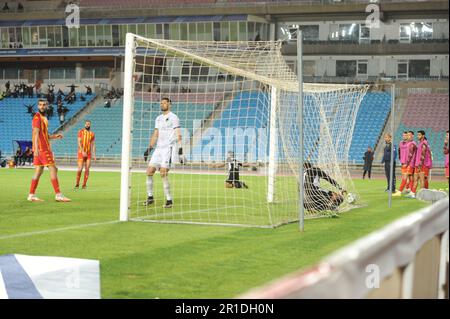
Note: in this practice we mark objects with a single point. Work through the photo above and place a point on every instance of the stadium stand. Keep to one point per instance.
(370, 120)
(428, 112)
(107, 124)
(16, 122)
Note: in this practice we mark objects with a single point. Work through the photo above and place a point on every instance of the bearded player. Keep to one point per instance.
(407, 155)
(168, 141)
(43, 155)
(86, 150)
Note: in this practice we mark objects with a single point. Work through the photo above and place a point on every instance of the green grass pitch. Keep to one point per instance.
(148, 260)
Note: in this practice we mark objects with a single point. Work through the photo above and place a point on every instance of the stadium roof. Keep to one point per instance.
(175, 19)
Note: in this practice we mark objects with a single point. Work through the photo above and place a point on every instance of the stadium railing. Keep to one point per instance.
(406, 259)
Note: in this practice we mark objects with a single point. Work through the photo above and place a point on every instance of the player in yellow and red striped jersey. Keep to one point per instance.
(86, 151)
(43, 155)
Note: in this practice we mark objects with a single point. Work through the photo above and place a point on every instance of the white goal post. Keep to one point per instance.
(237, 103)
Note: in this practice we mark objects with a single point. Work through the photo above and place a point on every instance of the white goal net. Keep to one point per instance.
(237, 104)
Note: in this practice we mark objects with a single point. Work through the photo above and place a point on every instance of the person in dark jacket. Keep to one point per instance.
(388, 148)
(368, 159)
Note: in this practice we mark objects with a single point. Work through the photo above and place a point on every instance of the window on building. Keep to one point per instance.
(65, 36)
(43, 37)
(310, 32)
(349, 31)
(34, 36)
(26, 37)
(242, 34)
(107, 35)
(90, 35)
(73, 35)
(4, 38)
(174, 31)
(51, 36)
(192, 34)
(115, 35)
(99, 36)
(309, 68)
(151, 31)
(224, 31)
(419, 68)
(183, 31)
(346, 68)
(58, 36)
(82, 38)
(233, 31)
(416, 31)
(19, 38)
(402, 69)
(362, 67)
(166, 31)
(216, 26)
(364, 34)
(141, 30)
(159, 31)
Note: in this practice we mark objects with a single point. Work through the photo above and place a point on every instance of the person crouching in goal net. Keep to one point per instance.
(233, 166)
(166, 136)
(316, 198)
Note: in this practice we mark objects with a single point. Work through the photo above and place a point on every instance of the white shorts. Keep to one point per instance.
(164, 157)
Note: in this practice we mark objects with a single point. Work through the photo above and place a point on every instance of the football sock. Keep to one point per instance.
(149, 185)
(166, 187)
(34, 184)
(55, 185)
(86, 176)
(78, 178)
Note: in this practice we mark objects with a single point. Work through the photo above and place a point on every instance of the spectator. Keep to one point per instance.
(368, 159)
(5, 7)
(88, 90)
(20, 7)
(37, 86)
(50, 111)
(18, 157)
(30, 91)
(72, 88)
(27, 156)
(30, 108)
(107, 103)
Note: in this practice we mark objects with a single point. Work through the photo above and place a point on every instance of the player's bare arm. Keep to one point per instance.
(94, 150)
(55, 136)
(36, 141)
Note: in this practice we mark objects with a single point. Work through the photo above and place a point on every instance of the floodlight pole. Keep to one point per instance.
(392, 172)
(128, 101)
(300, 115)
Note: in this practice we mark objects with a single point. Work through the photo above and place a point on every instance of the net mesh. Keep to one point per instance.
(237, 103)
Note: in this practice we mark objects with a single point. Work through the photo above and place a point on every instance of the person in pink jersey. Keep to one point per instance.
(403, 153)
(423, 164)
(446, 151)
(411, 161)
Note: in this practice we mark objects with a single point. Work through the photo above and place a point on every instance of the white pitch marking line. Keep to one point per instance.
(187, 212)
(48, 231)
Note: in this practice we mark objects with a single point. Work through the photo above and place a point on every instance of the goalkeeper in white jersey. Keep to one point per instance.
(167, 139)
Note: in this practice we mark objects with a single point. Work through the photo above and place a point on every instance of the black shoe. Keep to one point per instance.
(76, 187)
(168, 204)
(149, 201)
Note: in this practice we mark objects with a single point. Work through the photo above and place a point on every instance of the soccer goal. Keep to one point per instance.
(237, 103)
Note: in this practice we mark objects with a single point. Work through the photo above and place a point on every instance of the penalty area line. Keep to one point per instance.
(54, 230)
